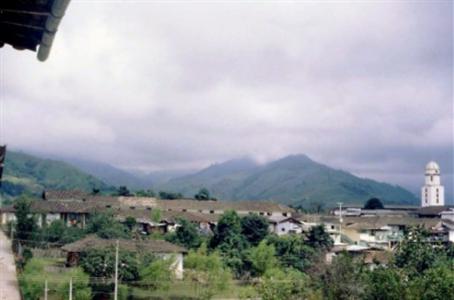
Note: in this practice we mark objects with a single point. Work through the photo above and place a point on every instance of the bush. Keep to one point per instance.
(263, 258)
(434, 284)
(105, 226)
(385, 283)
(207, 271)
(32, 281)
(80, 285)
(158, 274)
(101, 263)
(283, 284)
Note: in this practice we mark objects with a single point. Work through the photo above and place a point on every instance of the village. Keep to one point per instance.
(371, 233)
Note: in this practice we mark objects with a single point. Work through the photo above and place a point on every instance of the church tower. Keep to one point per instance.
(432, 193)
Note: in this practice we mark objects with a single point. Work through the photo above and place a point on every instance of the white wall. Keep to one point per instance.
(288, 227)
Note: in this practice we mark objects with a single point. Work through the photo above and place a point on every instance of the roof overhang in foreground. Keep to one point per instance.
(31, 24)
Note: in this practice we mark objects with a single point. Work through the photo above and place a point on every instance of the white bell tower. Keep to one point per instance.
(432, 193)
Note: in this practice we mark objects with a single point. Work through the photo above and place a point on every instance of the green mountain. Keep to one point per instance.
(294, 179)
(27, 173)
(110, 174)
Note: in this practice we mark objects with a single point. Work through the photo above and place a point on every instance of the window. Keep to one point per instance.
(211, 211)
(284, 214)
(431, 178)
(332, 226)
(185, 210)
(282, 229)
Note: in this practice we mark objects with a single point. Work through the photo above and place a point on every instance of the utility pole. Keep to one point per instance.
(340, 221)
(45, 290)
(71, 288)
(116, 272)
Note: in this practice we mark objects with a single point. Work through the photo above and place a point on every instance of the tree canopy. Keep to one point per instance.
(374, 203)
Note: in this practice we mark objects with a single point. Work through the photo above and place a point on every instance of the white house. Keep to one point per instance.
(286, 226)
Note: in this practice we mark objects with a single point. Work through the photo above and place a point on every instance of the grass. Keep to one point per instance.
(183, 290)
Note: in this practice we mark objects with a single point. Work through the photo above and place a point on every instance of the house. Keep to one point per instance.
(160, 248)
(370, 256)
(286, 226)
(75, 208)
(150, 221)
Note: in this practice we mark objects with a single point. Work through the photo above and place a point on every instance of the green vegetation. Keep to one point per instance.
(374, 203)
(170, 195)
(293, 180)
(36, 272)
(254, 228)
(238, 263)
(204, 195)
(28, 174)
(185, 235)
(106, 227)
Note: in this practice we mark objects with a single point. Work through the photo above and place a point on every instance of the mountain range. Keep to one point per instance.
(30, 174)
(294, 179)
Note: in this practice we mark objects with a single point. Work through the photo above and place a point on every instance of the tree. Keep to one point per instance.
(130, 222)
(169, 195)
(123, 191)
(158, 274)
(229, 225)
(105, 226)
(263, 258)
(145, 193)
(319, 239)
(58, 232)
(292, 251)
(186, 235)
(374, 203)
(26, 225)
(207, 271)
(203, 194)
(230, 242)
(415, 253)
(283, 284)
(342, 279)
(254, 228)
(385, 283)
(435, 283)
(101, 263)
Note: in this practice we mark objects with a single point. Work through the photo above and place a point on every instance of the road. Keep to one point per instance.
(9, 288)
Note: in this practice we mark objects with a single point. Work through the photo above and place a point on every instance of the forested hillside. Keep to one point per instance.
(294, 179)
(27, 173)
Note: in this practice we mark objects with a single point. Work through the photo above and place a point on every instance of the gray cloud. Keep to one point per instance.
(152, 85)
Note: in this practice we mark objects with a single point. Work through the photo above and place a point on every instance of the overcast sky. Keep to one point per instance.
(366, 87)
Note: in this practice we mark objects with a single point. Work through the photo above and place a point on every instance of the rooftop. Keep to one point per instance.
(31, 24)
(93, 242)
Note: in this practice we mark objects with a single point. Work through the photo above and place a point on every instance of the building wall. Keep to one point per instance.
(177, 265)
(288, 227)
(7, 217)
